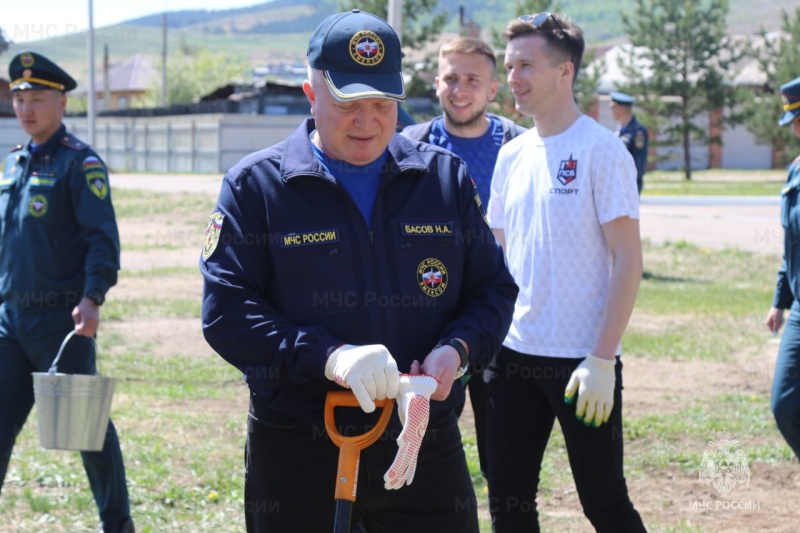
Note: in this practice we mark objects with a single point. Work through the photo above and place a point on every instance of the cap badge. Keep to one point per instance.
(26, 59)
(366, 48)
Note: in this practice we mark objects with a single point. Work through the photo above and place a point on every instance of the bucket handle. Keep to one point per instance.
(52, 370)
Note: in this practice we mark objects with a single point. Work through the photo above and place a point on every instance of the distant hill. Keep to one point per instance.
(278, 31)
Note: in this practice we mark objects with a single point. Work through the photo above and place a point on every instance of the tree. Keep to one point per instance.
(190, 77)
(4, 43)
(680, 65)
(779, 60)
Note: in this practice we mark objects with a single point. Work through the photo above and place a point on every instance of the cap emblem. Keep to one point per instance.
(26, 59)
(366, 48)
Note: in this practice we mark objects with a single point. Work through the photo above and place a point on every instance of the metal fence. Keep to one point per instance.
(186, 143)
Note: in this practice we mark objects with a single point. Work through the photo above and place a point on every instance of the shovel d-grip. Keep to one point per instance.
(350, 451)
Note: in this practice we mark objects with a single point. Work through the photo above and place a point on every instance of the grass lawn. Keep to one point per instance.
(716, 182)
(181, 412)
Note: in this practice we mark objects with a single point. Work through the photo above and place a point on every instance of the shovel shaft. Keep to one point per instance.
(350, 447)
(347, 472)
(342, 519)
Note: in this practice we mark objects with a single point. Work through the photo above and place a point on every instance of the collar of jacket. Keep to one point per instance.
(47, 147)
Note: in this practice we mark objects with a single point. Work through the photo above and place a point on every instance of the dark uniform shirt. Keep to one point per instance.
(636, 139)
(58, 234)
(788, 286)
(292, 269)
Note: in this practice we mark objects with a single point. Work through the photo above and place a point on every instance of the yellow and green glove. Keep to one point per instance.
(594, 381)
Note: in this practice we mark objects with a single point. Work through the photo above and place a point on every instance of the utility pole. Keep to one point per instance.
(90, 95)
(106, 80)
(164, 60)
(395, 17)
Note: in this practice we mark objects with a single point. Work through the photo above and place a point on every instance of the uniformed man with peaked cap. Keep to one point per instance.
(632, 132)
(785, 398)
(59, 255)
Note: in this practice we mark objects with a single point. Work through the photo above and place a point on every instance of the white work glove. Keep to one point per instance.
(369, 371)
(413, 408)
(594, 381)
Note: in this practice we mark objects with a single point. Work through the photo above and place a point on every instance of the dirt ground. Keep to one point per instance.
(769, 502)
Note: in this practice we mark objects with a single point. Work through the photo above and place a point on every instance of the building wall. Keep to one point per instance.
(739, 148)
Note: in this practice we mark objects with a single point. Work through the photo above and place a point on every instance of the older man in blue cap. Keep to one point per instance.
(632, 132)
(340, 258)
(785, 401)
(59, 255)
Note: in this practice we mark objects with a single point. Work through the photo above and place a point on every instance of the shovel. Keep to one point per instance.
(350, 452)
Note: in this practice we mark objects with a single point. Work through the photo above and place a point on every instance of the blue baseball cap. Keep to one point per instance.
(790, 93)
(360, 55)
(622, 98)
(32, 71)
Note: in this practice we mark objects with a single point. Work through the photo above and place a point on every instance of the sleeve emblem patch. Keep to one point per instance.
(213, 231)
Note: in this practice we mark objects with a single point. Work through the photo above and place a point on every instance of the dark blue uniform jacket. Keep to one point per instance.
(637, 140)
(58, 234)
(292, 270)
(788, 286)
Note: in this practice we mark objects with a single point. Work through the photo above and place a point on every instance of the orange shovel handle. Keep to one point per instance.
(350, 447)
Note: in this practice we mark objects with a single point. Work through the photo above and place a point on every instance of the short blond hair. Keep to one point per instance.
(469, 45)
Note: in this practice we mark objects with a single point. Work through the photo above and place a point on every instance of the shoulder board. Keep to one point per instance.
(16, 148)
(73, 142)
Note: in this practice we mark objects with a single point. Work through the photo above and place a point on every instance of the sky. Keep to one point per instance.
(51, 18)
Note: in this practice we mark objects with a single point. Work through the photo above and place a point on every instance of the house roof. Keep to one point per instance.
(746, 72)
(135, 73)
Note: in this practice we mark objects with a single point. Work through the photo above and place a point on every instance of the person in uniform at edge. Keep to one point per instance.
(59, 255)
(338, 258)
(785, 401)
(565, 209)
(632, 132)
(465, 84)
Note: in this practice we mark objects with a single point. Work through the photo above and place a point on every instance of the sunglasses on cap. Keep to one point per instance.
(540, 19)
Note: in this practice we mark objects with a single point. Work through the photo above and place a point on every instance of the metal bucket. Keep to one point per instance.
(72, 409)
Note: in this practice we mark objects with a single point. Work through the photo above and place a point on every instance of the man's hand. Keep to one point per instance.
(86, 316)
(443, 364)
(369, 371)
(413, 408)
(774, 320)
(594, 381)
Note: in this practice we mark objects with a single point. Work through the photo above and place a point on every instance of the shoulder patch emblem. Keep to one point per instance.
(639, 139)
(96, 177)
(213, 231)
(432, 277)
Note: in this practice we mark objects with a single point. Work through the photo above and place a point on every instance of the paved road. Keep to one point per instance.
(754, 227)
(746, 223)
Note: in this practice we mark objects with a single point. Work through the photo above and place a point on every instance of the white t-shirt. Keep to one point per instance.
(550, 196)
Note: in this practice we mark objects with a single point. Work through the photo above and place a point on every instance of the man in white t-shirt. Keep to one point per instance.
(564, 205)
